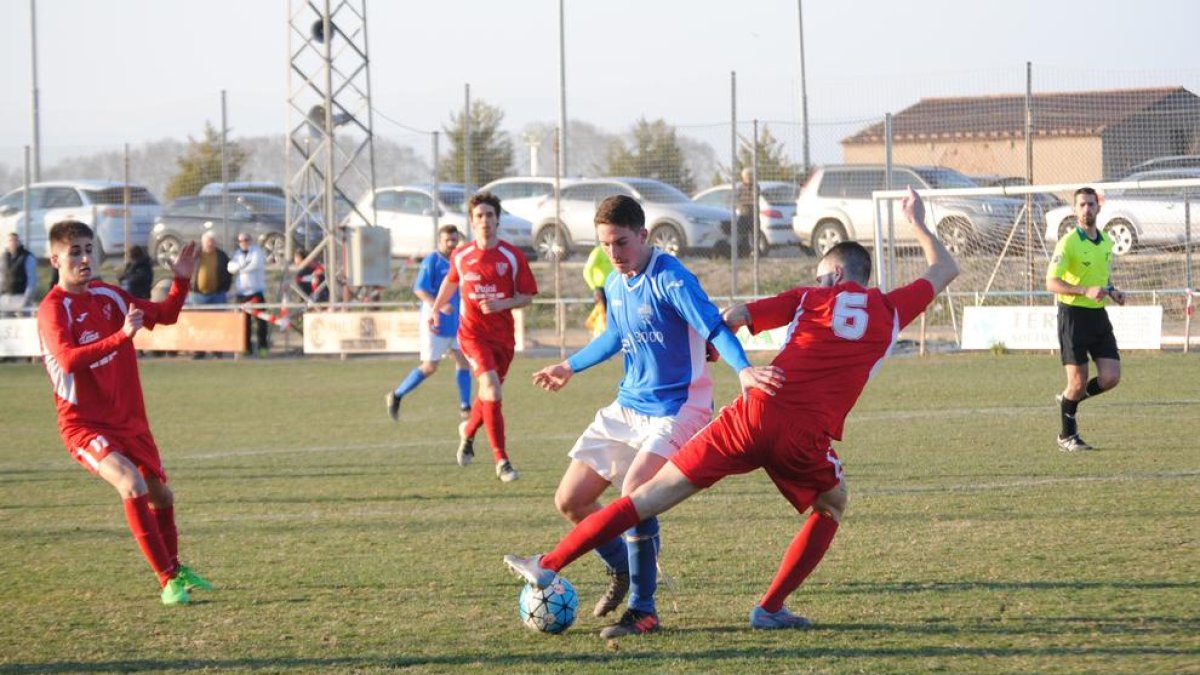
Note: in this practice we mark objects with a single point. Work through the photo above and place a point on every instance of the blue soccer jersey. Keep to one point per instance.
(434, 269)
(663, 318)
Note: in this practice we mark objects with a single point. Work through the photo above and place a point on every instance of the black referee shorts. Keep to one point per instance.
(1083, 331)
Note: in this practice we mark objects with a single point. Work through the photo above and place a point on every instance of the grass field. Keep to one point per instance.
(341, 541)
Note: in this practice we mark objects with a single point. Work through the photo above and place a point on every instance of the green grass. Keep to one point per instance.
(341, 541)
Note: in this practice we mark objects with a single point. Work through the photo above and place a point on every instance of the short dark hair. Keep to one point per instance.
(622, 211)
(448, 228)
(854, 258)
(64, 231)
(1085, 190)
(484, 197)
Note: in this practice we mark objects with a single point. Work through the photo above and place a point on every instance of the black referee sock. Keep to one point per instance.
(1068, 408)
(1093, 388)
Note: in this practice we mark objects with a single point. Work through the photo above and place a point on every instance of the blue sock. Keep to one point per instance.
(463, 376)
(414, 378)
(642, 544)
(615, 555)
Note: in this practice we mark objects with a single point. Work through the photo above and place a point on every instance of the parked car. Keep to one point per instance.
(1134, 219)
(523, 196)
(776, 207)
(259, 215)
(98, 203)
(1170, 162)
(676, 223)
(407, 211)
(835, 205)
(260, 187)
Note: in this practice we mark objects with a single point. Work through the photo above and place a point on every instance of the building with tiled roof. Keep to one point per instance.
(1077, 136)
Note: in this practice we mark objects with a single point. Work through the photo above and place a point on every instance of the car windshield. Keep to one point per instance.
(942, 178)
(779, 194)
(455, 201)
(116, 195)
(659, 193)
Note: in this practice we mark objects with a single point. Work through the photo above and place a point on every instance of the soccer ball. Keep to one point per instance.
(550, 609)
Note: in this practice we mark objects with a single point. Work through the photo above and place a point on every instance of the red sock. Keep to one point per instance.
(476, 418)
(145, 530)
(600, 527)
(170, 535)
(801, 558)
(493, 419)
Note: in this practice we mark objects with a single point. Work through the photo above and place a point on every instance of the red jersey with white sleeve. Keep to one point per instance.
(92, 363)
(495, 273)
(837, 338)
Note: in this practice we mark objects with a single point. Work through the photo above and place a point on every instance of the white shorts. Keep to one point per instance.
(432, 346)
(618, 434)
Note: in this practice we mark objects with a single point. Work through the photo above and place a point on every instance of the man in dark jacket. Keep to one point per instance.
(20, 277)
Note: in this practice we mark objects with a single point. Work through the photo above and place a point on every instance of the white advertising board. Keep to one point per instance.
(1138, 327)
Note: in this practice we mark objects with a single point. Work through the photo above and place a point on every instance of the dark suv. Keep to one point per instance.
(259, 215)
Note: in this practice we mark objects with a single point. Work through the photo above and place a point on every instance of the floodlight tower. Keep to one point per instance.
(330, 154)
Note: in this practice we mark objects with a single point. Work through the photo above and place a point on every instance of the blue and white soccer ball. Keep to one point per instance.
(550, 609)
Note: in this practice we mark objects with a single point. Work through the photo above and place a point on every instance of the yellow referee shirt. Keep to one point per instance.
(1080, 261)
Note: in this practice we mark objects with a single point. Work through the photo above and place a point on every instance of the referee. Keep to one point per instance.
(1079, 276)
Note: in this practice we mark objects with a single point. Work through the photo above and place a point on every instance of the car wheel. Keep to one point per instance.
(1123, 236)
(828, 234)
(956, 236)
(1066, 226)
(166, 251)
(764, 247)
(546, 243)
(273, 247)
(668, 238)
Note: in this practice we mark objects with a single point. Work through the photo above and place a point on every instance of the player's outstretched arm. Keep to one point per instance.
(736, 317)
(942, 267)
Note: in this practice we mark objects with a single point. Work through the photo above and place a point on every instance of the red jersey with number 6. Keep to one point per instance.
(495, 273)
(837, 338)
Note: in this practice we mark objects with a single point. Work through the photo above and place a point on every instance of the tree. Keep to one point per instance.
(773, 163)
(491, 148)
(201, 164)
(655, 153)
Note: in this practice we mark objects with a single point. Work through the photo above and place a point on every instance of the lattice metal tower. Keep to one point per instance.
(330, 155)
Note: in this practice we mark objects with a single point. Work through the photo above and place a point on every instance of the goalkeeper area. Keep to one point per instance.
(340, 541)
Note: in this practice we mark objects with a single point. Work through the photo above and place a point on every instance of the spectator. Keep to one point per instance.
(212, 281)
(310, 277)
(745, 207)
(138, 276)
(20, 277)
(249, 263)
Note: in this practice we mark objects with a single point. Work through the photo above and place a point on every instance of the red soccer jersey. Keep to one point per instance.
(91, 362)
(489, 274)
(837, 338)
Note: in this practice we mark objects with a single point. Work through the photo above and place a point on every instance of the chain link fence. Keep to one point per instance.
(989, 128)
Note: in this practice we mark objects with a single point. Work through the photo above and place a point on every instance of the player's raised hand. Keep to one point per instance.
(767, 379)
(133, 321)
(914, 207)
(553, 378)
(185, 264)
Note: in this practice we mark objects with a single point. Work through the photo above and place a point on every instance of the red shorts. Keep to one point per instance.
(749, 435)
(89, 447)
(485, 356)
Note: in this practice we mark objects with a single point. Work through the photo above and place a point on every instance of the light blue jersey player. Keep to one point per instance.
(435, 344)
(661, 319)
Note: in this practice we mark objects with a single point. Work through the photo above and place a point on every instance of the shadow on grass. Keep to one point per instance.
(536, 661)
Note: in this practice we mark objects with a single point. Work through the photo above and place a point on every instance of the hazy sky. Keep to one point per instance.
(134, 70)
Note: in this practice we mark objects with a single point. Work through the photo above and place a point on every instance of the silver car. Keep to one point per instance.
(99, 204)
(524, 195)
(776, 207)
(407, 211)
(835, 205)
(1135, 219)
(676, 223)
